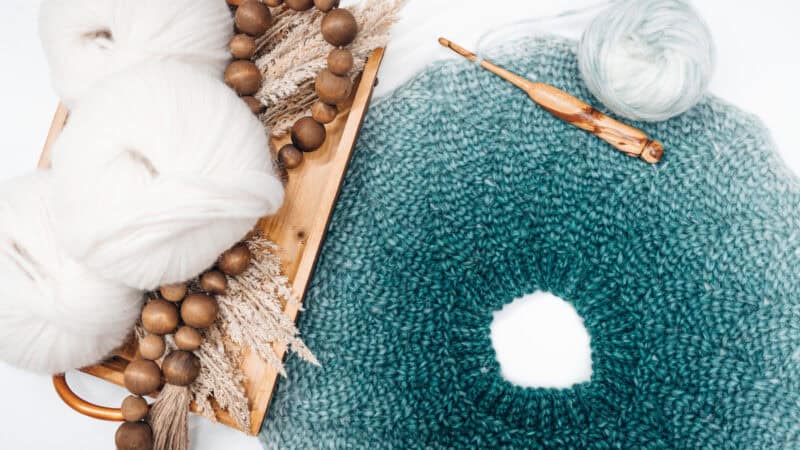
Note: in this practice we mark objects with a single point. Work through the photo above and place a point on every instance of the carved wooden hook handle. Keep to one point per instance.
(82, 406)
(625, 138)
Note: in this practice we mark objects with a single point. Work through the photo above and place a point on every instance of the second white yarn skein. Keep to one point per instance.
(647, 60)
(158, 171)
(86, 41)
(55, 315)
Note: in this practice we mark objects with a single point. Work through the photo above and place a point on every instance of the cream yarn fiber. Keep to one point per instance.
(647, 60)
(159, 171)
(160, 168)
(87, 40)
(55, 315)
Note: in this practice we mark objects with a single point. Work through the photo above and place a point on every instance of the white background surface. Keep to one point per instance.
(758, 65)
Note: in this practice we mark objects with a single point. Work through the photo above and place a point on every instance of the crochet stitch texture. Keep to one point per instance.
(464, 195)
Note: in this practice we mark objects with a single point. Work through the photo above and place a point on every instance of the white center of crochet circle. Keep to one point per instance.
(540, 341)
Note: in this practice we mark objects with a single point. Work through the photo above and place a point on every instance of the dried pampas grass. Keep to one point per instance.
(293, 52)
(221, 379)
(250, 316)
(252, 308)
(251, 312)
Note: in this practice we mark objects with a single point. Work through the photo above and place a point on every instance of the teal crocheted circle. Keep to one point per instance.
(463, 195)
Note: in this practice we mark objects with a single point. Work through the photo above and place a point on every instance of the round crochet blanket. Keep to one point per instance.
(464, 195)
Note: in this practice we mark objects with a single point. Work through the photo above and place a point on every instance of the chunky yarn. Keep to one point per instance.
(158, 171)
(55, 315)
(464, 195)
(88, 40)
(647, 59)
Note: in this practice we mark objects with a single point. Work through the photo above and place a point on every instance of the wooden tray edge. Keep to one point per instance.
(111, 370)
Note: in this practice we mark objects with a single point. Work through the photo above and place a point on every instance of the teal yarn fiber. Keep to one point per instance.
(463, 195)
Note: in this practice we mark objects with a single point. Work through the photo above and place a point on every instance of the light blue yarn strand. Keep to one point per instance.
(646, 60)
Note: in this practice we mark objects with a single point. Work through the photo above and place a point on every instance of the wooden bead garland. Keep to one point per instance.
(199, 310)
(326, 5)
(290, 156)
(214, 282)
(339, 27)
(333, 85)
(152, 347)
(134, 408)
(331, 88)
(159, 317)
(323, 112)
(300, 5)
(162, 316)
(243, 46)
(243, 76)
(308, 134)
(142, 377)
(173, 292)
(235, 261)
(188, 338)
(180, 367)
(340, 61)
(134, 436)
(253, 17)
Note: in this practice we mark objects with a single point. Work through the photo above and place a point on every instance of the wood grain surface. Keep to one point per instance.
(298, 228)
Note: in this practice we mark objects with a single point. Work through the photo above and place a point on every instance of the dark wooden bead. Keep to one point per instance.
(243, 46)
(323, 112)
(339, 27)
(290, 157)
(188, 338)
(173, 292)
(273, 3)
(340, 61)
(243, 76)
(159, 317)
(308, 134)
(134, 408)
(331, 88)
(255, 106)
(299, 5)
(152, 347)
(199, 310)
(134, 436)
(253, 17)
(142, 377)
(235, 261)
(326, 5)
(181, 368)
(214, 282)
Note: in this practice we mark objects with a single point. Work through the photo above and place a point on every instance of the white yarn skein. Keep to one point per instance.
(647, 60)
(55, 315)
(88, 40)
(158, 171)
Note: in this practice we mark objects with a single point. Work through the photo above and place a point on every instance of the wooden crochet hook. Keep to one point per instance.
(625, 138)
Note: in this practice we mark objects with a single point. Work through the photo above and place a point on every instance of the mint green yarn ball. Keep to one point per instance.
(647, 59)
(464, 195)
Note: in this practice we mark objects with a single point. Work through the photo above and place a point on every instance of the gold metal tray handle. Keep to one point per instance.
(82, 406)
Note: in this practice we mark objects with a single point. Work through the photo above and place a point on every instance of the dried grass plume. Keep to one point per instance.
(293, 51)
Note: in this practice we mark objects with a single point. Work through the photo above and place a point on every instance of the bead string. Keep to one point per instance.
(163, 314)
(177, 311)
(333, 85)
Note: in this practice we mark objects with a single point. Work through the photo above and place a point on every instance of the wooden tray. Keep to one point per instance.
(298, 228)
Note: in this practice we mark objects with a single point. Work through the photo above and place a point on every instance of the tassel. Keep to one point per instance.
(169, 418)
